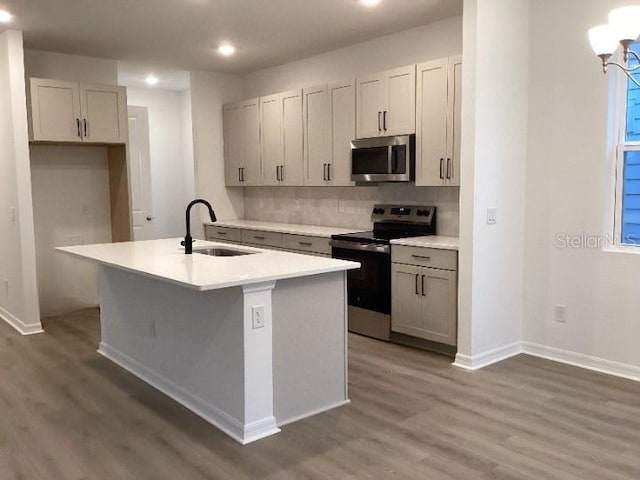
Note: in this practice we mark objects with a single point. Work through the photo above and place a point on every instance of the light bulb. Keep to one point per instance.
(226, 49)
(603, 40)
(5, 17)
(151, 80)
(625, 22)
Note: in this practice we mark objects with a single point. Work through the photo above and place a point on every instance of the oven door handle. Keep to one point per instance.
(361, 247)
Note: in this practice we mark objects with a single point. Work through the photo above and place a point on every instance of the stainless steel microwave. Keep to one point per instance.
(383, 159)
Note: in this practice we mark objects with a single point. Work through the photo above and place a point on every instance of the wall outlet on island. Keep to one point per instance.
(257, 316)
(561, 313)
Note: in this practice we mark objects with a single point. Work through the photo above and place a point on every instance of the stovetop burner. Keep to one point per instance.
(396, 221)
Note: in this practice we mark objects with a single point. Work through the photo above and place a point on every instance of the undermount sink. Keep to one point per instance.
(221, 252)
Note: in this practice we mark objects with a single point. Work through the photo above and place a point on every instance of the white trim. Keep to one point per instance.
(314, 412)
(581, 360)
(235, 429)
(490, 357)
(19, 325)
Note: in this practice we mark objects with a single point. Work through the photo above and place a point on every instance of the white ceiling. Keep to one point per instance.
(185, 33)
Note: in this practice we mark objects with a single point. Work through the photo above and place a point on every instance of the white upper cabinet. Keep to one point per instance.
(386, 103)
(242, 143)
(438, 118)
(71, 112)
(291, 168)
(329, 126)
(271, 138)
(55, 111)
(104, 111)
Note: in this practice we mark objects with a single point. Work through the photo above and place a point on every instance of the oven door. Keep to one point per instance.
(368, 287)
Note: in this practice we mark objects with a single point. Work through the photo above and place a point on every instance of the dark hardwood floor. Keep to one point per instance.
(67, 413)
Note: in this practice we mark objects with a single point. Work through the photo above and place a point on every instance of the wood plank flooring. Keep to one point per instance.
(67, 413)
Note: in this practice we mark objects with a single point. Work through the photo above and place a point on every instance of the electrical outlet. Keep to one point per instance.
(561, 313)
(257, 316)
(492, 216)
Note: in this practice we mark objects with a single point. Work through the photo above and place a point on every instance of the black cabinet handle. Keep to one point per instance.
(423, 294)
(84, 120)
(441, 170)
(278, 173)
(324, 172)
(449, 170)
(78, 127)
(239, 174)
(262, 239)
(384, 120)
(329, 171)
(242, 173)
(282, 173)
(379, 127)
(305, 244)
(417, 292)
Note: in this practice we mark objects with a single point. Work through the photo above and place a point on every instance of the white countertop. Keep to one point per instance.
(290, 228)
(434, 241)
(165, 260)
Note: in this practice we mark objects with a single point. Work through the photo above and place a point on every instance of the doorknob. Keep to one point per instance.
(149, 218)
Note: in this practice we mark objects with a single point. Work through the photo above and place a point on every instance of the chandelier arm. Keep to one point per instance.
(634, 54)
(626, 71)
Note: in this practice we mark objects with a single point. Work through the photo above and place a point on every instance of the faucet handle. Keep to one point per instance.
(192, 241)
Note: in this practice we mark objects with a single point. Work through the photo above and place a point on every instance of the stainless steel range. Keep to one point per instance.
(369, 288)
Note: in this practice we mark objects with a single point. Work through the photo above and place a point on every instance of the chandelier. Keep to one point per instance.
(622, 30)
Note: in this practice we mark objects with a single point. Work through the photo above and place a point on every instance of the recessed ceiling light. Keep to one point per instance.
(151, 80)
(370, 3)
(5, 17)
(226, 49)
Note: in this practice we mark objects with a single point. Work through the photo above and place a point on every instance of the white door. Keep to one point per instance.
(140, 158)
(232, 117)
(291, 167)
(399, 115)
(370, 104)
(454, 124)
(271, 138)
(317, 135)
(55, 111)
(343, 125)
(104, 109)
(432, 119)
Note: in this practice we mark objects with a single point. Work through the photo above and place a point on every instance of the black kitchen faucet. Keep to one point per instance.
(188, 241)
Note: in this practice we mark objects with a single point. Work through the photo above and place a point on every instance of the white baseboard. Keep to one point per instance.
(485, 359)
(601, 365)
(235, 429)
(19, 325)
(287, 421)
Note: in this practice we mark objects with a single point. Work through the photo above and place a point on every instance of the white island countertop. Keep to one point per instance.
(289, 228)
(165, 260)
(433, 241)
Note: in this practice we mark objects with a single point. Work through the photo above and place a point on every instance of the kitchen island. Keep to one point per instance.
(249, 339)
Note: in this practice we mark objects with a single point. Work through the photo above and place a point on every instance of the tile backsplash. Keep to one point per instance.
(347, 206)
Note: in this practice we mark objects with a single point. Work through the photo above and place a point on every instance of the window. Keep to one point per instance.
(628, 178)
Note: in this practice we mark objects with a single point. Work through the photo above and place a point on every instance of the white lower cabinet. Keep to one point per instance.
(424, 299)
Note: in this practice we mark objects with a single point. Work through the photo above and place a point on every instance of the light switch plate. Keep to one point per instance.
(492, 216)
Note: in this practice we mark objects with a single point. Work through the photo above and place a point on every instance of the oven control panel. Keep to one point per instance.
(403, 213)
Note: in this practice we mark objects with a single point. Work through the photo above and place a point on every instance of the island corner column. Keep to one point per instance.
(259, 419)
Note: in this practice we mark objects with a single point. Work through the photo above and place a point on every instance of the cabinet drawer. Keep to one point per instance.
(258, 237)
(306, 244)
(425, 257)
(213, 232)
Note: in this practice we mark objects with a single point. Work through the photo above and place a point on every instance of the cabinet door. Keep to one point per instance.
(370, 105)
(271, 138)
(232, 121)
(454, 122)
(406, 299)
(317, 135)
(438, 319)
(249, 139)
(104, 112)
(343, 131)
(291, 166)
(55, 111)
(432, 117)
(399, 114)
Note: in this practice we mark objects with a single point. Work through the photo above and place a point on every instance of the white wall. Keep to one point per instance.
(568, 191)
(71, 207)
(70, 193)
(171, 156)
(435, 40)
(18, 289)
(209, 92)
(494, 153)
